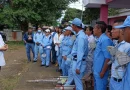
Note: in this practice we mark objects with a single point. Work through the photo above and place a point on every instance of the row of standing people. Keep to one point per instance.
(79, 55)
(97, 58)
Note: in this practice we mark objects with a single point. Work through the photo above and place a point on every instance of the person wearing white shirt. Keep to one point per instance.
(3, 47)
(57, 41)
(89, 59)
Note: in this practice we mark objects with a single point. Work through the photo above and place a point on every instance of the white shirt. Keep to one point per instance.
(119, 73)
(91, 39)
(2, 60)
(58, 39)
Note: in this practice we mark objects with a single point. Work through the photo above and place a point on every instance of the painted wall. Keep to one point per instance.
(111, 20)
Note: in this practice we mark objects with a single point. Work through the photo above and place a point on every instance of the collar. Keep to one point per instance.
(98, 39)
(79, 32)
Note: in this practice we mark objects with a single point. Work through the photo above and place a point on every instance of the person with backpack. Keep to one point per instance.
(66, 45)
(126, 33)
(29, 43)
(46, 45)
(38, 37)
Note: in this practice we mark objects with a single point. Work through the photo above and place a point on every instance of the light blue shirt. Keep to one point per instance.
(38, 37)
(119, 73)
(80, 48)
(66, 45)
(101, 53)
(47, 41)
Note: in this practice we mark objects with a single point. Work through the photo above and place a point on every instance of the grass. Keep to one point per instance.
(9, 83)
(15, 45)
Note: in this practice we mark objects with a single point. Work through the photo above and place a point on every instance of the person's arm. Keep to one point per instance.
(4, 48)
(24, 38)
(80, 54)
(107, 56)
(34, 37)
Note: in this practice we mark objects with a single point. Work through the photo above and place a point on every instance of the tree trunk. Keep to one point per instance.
(24, 26)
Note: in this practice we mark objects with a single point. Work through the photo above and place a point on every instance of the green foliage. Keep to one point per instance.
(71, 13)
(91, 14)
(21, 12)
(113, 11)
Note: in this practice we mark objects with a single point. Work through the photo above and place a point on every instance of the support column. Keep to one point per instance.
(104, 13)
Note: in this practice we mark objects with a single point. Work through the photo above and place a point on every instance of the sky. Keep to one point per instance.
(77, 5)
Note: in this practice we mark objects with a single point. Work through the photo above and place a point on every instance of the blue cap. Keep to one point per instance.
(77, 22)
(69, 28)
(125, 24)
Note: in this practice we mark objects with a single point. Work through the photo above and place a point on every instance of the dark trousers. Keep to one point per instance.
(53, 53)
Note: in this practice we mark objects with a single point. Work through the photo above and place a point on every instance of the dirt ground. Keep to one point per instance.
(17, 71)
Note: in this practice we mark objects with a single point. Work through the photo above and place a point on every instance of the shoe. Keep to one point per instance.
(58, 70)
(47, 66)
(28, 61)
(53, 63)
(34, 61)
(42, 65)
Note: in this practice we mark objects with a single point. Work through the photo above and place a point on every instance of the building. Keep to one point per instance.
(105, 4)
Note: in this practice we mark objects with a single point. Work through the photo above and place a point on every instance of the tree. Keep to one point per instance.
(71, 13)
(21, 12)
(91, 14)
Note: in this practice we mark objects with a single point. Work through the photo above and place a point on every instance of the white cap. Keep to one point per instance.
(47, 30)
(69, 28)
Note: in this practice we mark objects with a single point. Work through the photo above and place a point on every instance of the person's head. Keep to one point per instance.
(68, 30)
(89, 30)
(57, 29)
(30, 30)
(60, 29)
(47, 32)
(39, 30)
(126, 29)
(108, 31)
(117, 33)
(77, 25)
(99, 28)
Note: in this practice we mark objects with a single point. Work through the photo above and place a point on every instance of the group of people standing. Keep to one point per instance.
(79, 50)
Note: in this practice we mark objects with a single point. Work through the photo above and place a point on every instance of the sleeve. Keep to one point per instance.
(70, 45)
(1, 41)
(34, 37)
(24, 37)
(104, 46)
(80, 52)
(55, 38)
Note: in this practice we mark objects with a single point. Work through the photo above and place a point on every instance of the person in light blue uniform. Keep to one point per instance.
(46, 45)
(79, 53)
(101, 56)
(38, 37)
(67, 44)
(117, 74)
(126, 32)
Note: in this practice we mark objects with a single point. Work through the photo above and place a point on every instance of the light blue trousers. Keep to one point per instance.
(59, 58)
(46, 59)
(38, 49)
(114, 85)
(78, 77)
(100, 84)
(64, 67)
